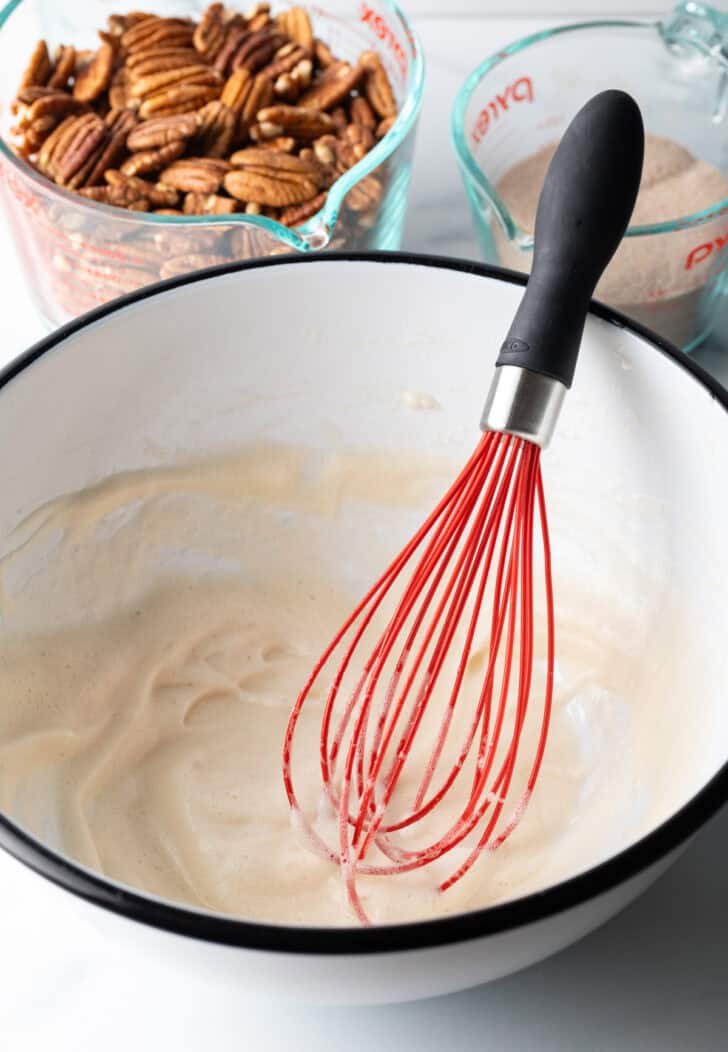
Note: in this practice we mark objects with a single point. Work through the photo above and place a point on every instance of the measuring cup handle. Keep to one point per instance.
(584, 209)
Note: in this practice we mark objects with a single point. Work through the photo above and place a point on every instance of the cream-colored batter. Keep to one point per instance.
(155, 632)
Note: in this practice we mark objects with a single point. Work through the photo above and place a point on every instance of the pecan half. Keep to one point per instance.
(39, 67)
(23, 150)
(156, 60)
(297, 214)
(338, 115)
(37, 133)
(65, 64)
(161, 131)
(203, 175)
(117, 25)
(54, 147)
(217, 128)
(348, 154)
(257, 49)
(285, 88)
(253, 155)
(120, 123)
(167, 79)
(332, 87)
(180, 98)
(247, 241)
(83, 57)
(271, 178)
(56, 104)
(108, 38)
(88, 134)
(289, 86)
(260, 94)
(119, 89)
(208, 204)
(284, 143)
(157, 32)
(296, 24)
(236, 89)
(180, 241)
(327, 173)
(362, 113)
(27, 96)
(159, 195)
(209, 35)
(323, 54)
(121, 196)
(358, 135)
(140, 205)
(95, 78)
(377, 88)
(235, 30)
(259, 16)
(385, 126)
(285, 59)
(89, 168)
(303, 123)
(326, 149)
(367, 193)
(22, 105)
(145, 161)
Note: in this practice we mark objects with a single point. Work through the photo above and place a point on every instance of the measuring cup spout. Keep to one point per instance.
(697, 31)
(697, 27)
(316, 237)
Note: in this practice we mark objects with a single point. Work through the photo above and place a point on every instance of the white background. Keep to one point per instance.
(654, 979)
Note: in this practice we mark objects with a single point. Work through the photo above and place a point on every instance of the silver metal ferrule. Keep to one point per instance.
(523, 403)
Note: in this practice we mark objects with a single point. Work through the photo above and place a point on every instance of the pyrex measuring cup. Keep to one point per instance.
(669, 275)
(77, 254)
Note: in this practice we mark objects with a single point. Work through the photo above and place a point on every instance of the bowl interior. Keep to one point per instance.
(319, 356)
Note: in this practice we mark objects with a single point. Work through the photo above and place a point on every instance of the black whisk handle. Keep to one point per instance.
(584, 209)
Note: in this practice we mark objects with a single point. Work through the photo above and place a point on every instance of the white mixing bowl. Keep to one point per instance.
(318, 351)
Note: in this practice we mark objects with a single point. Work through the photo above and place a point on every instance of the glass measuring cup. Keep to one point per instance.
(669, 275)
(77, 254)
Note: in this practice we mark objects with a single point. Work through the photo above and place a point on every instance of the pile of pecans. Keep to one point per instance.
(234, 113)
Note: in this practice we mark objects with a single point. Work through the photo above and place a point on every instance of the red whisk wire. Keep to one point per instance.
(475, 549)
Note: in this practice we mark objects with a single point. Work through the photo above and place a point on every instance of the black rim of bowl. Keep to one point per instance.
(461, 927)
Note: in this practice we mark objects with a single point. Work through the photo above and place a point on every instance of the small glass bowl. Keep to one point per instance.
(670, 276)
(77, 254)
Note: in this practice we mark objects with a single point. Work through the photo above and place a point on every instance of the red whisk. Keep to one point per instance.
(418, 766)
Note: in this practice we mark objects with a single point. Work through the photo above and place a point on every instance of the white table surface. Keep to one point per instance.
(655, 978)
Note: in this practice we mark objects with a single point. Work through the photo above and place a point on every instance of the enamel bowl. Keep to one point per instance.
(635, 484)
